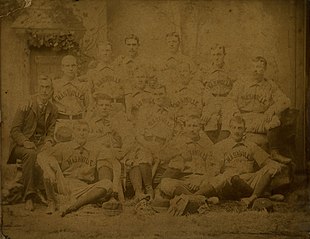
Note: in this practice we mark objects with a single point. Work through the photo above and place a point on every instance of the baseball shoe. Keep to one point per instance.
(248, 201)
(67, 211)
(52, 207)
(41, 197)
(29, 205)
(275, 155)
(149, 191)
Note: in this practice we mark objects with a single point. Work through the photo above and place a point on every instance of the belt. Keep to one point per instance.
(155, 139)
(118, 100)
(70, 117)
(220, 95)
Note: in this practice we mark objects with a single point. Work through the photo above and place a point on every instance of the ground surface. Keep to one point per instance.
(225, 221)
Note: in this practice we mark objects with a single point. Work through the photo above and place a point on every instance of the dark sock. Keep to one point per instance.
(206, 190)
(136, 179)
(146, 173)
(49, 189)
(181, 190)
(241, 186)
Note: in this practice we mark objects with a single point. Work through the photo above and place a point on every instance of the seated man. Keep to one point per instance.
(261, 103)
(32, 131)
(187, 170)
(107, 139)
(239, 158)
(76, 165)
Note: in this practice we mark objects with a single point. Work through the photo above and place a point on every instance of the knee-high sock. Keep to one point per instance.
(206, 190)
(49, 189)
(146, 173)
(90, 197)
(181, 190)
(136, 179)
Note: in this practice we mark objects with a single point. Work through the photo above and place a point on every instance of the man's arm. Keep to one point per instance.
(281, 101)
(17, 126)
(51, 127)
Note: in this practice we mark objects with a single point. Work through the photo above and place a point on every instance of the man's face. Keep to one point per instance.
(45, 90)
(105, 52)
(192, 127)
(218, 57)
(258, 68)
(173, 43)
(184, 74)
(80, 133)
(103, 107)
(237, 130)
(69, 67)
(132, 47)
(160, 96)
(140, 80)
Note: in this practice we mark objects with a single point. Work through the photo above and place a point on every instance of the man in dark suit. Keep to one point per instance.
(32, 131)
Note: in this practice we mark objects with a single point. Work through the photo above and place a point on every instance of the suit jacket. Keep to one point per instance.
(25, 123)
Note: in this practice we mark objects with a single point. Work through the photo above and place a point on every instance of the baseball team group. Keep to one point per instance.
(149, 132)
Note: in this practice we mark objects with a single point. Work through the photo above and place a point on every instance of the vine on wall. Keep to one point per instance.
(56, 41)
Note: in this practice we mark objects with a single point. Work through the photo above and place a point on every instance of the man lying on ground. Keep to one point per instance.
(80, 163)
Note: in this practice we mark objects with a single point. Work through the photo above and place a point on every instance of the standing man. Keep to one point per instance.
(174, 55)
(32, 131)
(218, 107)
(127, 63)
(70, 94)
(261, 103)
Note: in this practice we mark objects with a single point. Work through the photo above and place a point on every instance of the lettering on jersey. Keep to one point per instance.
(241, 153)
(219, 82)
(69, 93)
(160, 118)
(185, 101)
(80, 158)
(261, 98)
(198, 153)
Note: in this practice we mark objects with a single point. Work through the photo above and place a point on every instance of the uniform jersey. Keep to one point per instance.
(185, 95)
(141, 100)
(125, 66)
(239, 157)
(156, 127)
(258, 96)
(170, 61)
(103, 132)
(70, 97)
(76, 161)
(218, 107)
(218, 83)
(194, 155)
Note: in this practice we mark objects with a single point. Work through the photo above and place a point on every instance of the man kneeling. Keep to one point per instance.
(73, 168)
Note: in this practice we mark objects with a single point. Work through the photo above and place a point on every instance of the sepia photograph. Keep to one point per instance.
(154, 119)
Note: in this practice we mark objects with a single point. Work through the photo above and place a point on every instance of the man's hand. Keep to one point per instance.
(46, 146)
(205, 117)
(26, 105)
(29, 145)
(194, 184)
(269, 114)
